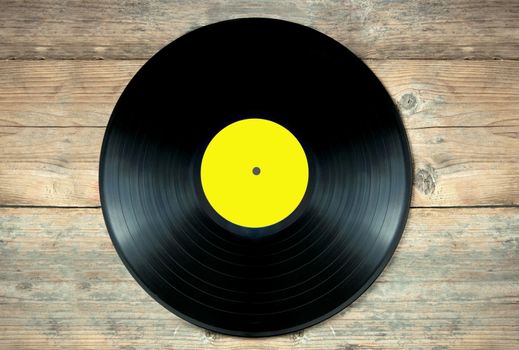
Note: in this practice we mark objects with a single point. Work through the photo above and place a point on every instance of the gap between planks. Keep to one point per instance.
(140, 59)
(446, 207)
(103, 127)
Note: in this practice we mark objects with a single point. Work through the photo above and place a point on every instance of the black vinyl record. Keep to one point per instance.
(277, 278)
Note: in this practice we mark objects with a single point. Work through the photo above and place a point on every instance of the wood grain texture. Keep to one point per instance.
(453, 166)
(452, 67)
(61, 93)
(429, 93)
(378, 29)
(49, 166)
(62, 285)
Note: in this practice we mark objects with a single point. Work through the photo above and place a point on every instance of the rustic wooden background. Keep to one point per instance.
(451, 66)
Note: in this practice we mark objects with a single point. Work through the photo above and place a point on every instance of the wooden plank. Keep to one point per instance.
(465, 166)
(429, 93)
(49, 166)
(61, 93)
(453, 283)
(378, 29)
(453, 166)
(452, 93)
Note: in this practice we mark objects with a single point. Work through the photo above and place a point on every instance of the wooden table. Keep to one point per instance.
(451, 66)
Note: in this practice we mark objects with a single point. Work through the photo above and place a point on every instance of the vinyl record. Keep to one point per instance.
(255, 177)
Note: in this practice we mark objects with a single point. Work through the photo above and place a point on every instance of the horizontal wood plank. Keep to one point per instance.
(453, 283)
(42, 166)
(61, 93)
(377, 29)
(429, 93)
(465, 166)
(453, 166)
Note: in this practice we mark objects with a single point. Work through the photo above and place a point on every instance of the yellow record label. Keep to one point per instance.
(254, 173)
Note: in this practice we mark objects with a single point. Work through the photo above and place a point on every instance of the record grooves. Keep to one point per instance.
(347, 185)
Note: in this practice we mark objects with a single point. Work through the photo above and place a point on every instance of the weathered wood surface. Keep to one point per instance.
(379, 29)
(454, 280)
(429, 93)
(453, 283)
(453, 166)
(462, 119)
